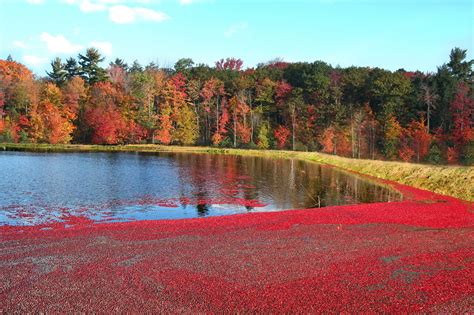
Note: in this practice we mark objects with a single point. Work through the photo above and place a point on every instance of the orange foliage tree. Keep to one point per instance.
(392, 134)
(327, 140)
(50, 121)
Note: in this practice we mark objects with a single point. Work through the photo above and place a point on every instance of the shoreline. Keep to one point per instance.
(413, 255)
(454, 181)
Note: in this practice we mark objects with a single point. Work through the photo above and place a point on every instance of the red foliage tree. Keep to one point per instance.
(179, 82)
(229, 64)
(104, 118)
(282, 92)
(108, 125)
(281, 135)
(415, 141)
(220, 133)
(405, 152)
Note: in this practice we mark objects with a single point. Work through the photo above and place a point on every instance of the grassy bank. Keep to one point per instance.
(456, 181)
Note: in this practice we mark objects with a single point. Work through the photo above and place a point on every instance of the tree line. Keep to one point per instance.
(358, 112)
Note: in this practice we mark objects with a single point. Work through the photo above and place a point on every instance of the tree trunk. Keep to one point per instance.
(251, 118)
(294, 131)
(198, 128)
(217, 114)
(428, 118)
(235, 129)
(358, 142)
(352, 136)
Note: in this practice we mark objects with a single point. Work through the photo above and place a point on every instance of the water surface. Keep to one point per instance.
(43, 187)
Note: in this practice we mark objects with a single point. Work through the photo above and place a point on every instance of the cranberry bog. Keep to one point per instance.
(414, 255)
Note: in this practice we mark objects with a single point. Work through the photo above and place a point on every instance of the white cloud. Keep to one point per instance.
(189, 2)
(89, 5)
(233, 29)
(151, 15)
(35, 1)
(104, 47)
(19, 44)
(34, 60)
(59, 44)
(122, 14)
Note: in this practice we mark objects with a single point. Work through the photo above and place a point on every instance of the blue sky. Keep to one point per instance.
(410, 34)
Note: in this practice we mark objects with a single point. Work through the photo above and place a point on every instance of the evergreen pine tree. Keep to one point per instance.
(58, 75)
(91, 72)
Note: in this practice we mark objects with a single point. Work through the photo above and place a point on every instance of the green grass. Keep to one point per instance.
(456, 181)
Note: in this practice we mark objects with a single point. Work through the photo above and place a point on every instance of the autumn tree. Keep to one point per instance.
(355, 111)
(74, 97)
(213, 95)
(103, 118)
(327, 140)
(263, 141)
(239, 110)
(18, 87)
(415, 141)
(391, 140)
(193, 91)
(281, 134)
(462, 109)
(51, 122)
(184, 128)
(295, 104)
(142, 89)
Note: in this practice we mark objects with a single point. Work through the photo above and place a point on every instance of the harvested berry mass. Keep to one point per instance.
(410, 256)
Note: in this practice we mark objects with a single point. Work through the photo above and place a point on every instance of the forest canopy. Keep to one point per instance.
(358, 112)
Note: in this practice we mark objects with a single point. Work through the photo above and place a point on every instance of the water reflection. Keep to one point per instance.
(37, 187)
(282, 183)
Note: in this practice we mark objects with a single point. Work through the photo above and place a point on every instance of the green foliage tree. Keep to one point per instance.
(460, 68)
(90, 69)
(263, 141)
(435, 155)
(184, 66)
(119, 63)
(58, 75)
(72, 68)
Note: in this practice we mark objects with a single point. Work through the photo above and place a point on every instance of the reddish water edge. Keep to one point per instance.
(410, 256)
